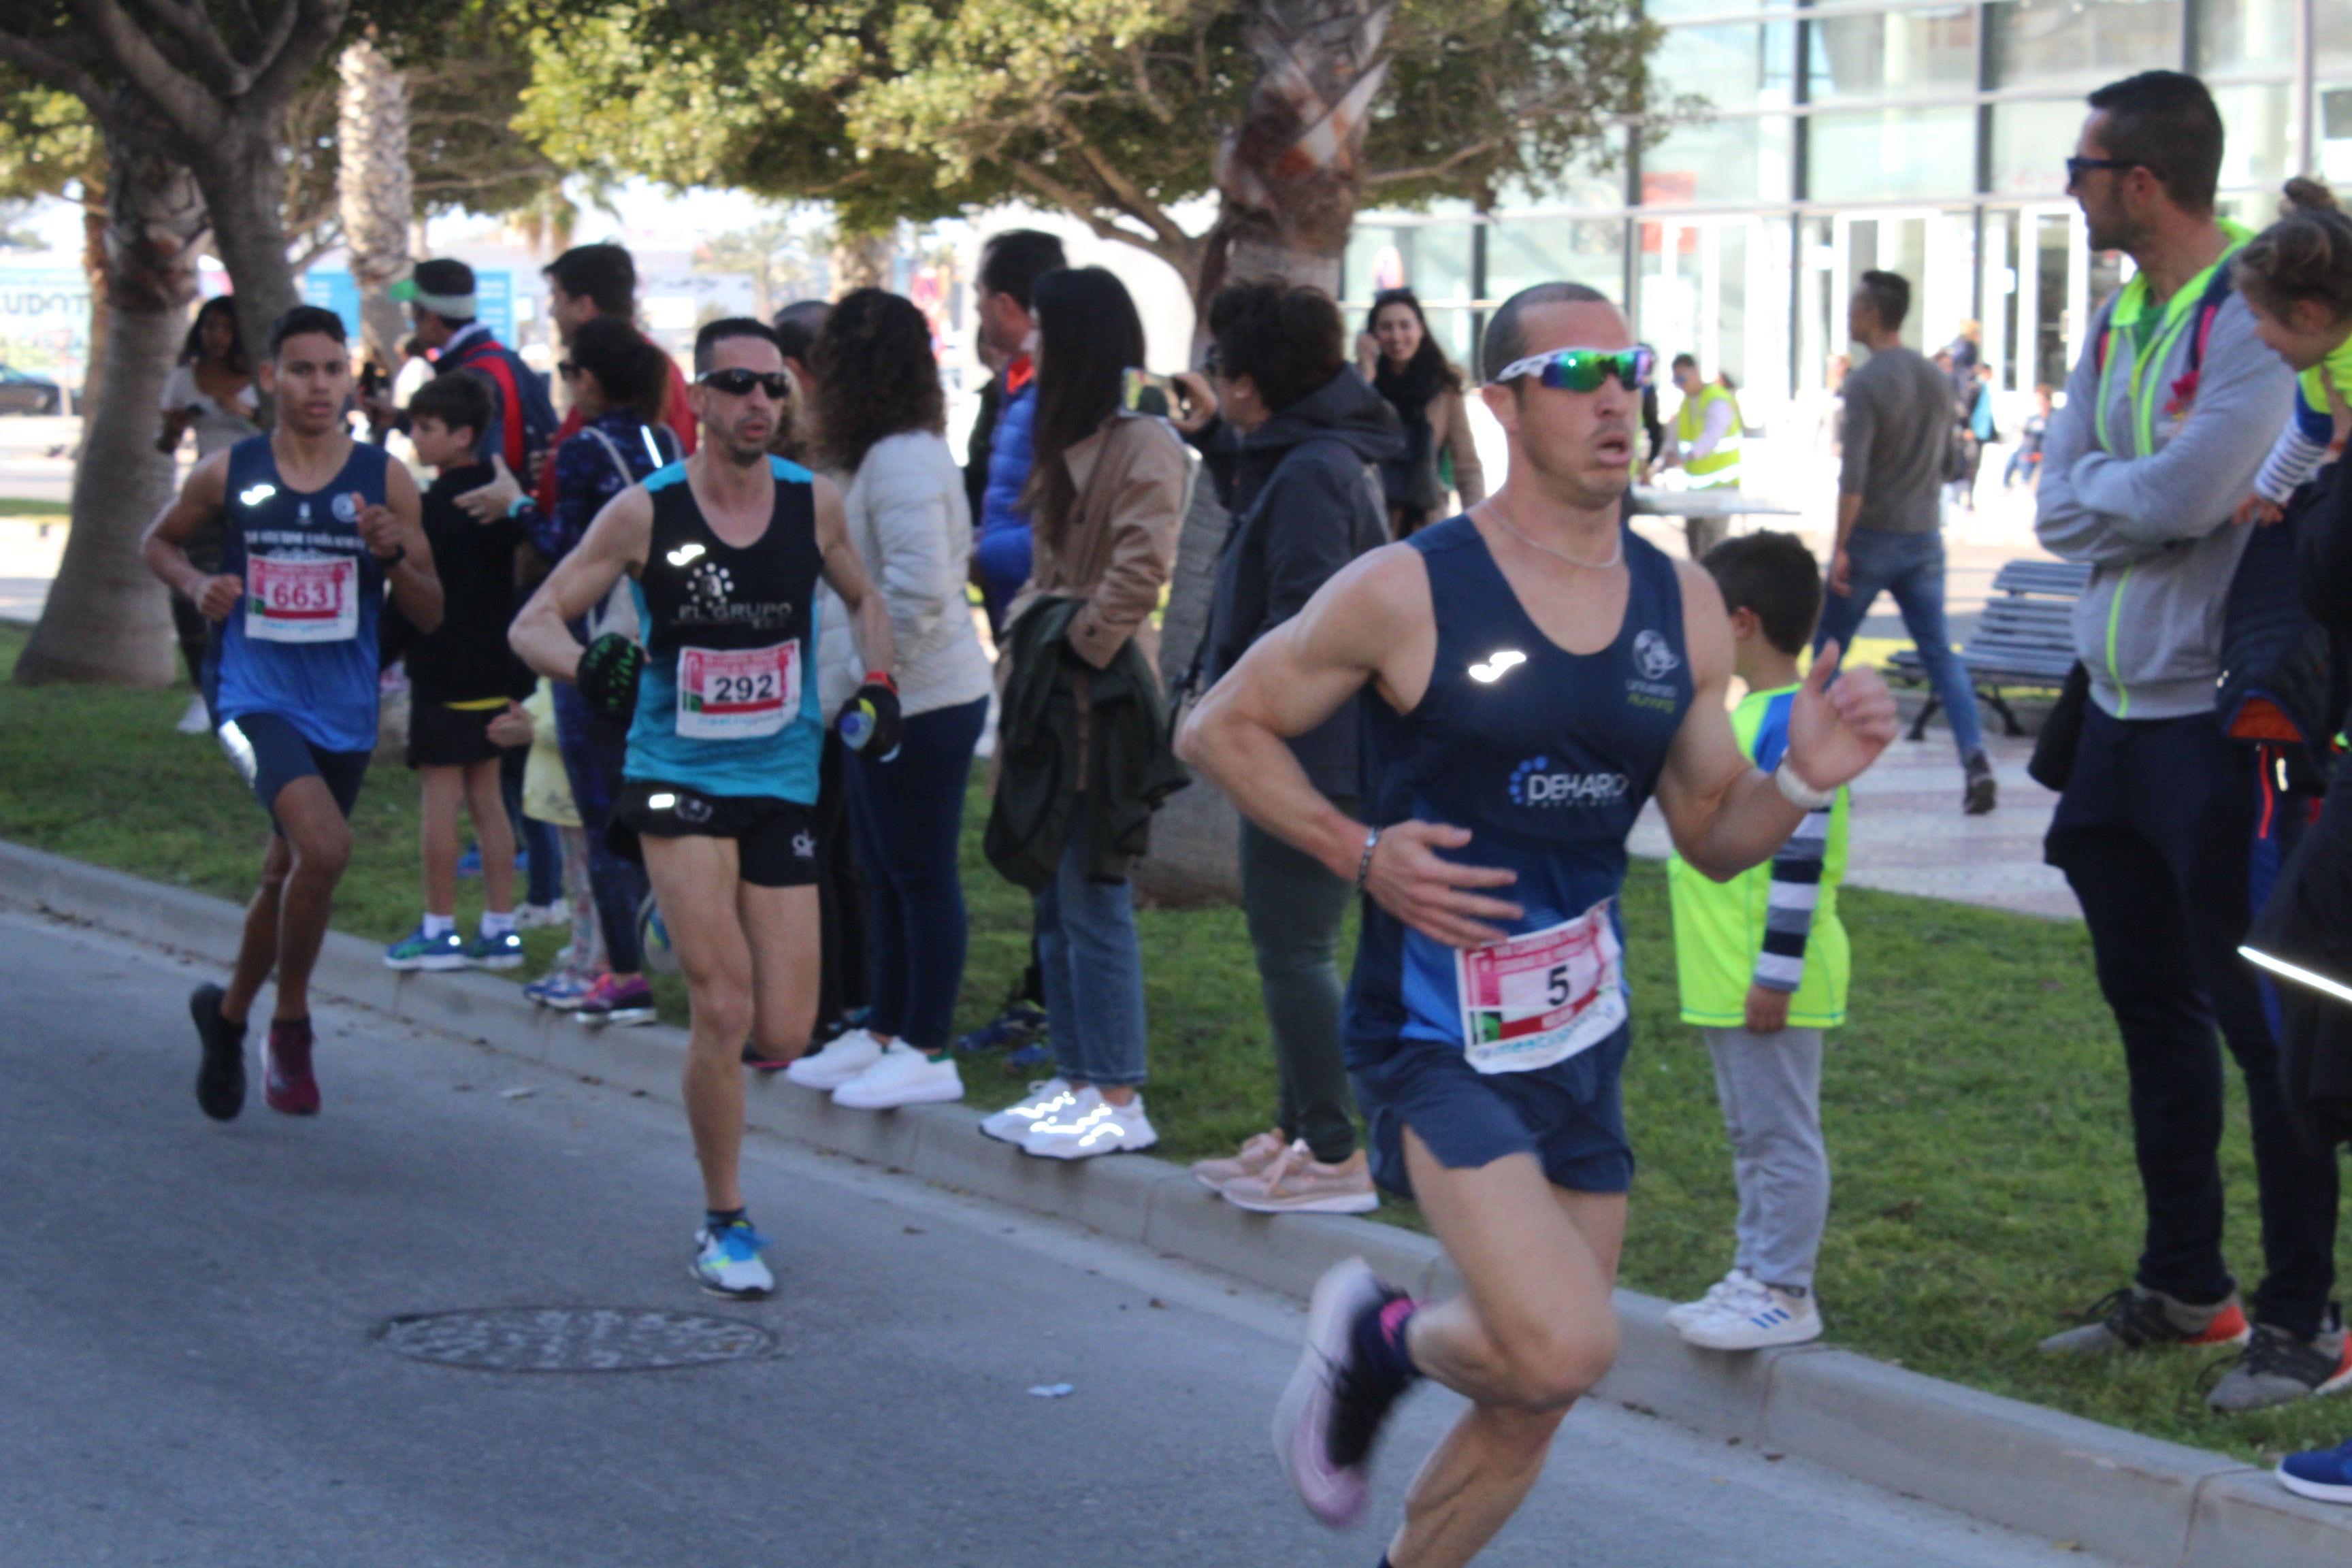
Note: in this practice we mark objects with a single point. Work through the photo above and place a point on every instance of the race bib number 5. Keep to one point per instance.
(302, 599)
(737, 694)
(1541, 997)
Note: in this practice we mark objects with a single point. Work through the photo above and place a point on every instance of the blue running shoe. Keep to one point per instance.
(1035, 1054)
(417, 951)
(501, 951)
(2324, 1475)
(727, 1262)
(563, 990)
(1018, 1025)
(470, 864)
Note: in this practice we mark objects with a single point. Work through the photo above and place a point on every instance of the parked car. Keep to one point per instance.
(21, 392)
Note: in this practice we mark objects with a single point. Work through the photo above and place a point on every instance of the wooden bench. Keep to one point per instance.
(2026, 637)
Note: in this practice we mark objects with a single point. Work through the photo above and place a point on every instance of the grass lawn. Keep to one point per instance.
(1975, 1106)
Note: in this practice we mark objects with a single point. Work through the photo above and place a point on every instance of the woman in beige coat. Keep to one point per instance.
(1107, 491)
(1405, 366)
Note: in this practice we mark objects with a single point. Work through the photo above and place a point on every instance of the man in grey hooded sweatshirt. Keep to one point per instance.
(2140, 470)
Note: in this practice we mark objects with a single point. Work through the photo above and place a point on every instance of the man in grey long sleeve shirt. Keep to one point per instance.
(2157, 442)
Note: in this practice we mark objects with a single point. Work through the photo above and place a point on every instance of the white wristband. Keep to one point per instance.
(1796, 792)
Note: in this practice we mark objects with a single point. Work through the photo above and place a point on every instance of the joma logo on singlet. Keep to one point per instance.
(1534, 784)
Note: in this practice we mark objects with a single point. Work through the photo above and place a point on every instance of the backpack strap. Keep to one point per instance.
(2209, 306)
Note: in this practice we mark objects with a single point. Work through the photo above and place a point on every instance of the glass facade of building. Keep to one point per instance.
(1929, 139)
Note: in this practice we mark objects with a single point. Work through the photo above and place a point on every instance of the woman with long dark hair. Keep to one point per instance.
(880, 417)
(1106, 498)
(211, 391)
(1422, 384)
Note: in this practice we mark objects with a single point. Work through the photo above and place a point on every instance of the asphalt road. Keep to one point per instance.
(192, 1375)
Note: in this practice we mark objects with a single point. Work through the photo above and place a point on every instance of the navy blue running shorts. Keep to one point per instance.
(271, 753)
(1571, 1115)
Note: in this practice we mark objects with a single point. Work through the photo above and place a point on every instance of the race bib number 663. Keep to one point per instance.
(301, 599)
(1542, 996)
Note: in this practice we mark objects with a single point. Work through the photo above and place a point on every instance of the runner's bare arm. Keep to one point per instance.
(616, 542)
(845, 573)
(1726, 814)
(200, 500)
(398, 526)
(1371, 624)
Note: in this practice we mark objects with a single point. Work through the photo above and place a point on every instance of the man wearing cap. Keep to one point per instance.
(440, 300)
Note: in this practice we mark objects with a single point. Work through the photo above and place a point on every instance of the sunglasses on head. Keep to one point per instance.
(738, 382)
(1587, 370)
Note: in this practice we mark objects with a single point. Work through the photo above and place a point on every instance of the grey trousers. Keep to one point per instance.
(1294, 908)
(1771, 1089)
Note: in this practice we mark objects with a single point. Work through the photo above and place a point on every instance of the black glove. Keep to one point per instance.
(608, 676)
(869, 722)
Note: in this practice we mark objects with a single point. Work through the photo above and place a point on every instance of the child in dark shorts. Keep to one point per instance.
(463, 682)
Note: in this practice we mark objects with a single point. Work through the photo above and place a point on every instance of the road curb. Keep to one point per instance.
(2136, 1499)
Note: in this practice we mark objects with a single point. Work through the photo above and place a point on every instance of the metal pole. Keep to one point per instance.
(2307, 137)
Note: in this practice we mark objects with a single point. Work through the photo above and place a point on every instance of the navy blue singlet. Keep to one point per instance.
(301, 644)
(1545, 755)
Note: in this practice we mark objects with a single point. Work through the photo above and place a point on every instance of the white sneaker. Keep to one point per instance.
(196, 721)
(1011, 1125)
(902, 1075)
(533, 917)
(1757, 1319)
(1091, 1126)
(842, 1058)
(727, 1263)
(1722, 1290)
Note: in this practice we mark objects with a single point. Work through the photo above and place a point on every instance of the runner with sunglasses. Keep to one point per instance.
(723, 552)
(1538, 671)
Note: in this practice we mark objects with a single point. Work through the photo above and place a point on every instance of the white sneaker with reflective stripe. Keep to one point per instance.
(1011, 1125)
(1757, 1318)
(1091, 1126)
(842, 1058)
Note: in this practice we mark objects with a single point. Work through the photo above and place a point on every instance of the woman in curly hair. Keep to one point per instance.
(880, 416)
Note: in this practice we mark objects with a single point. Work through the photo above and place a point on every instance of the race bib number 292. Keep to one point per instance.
(737, 694)
(1542, 996)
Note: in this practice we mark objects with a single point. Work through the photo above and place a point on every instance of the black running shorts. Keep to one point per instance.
(775, 840)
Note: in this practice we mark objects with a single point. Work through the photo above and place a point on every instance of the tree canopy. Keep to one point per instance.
(1110, 110)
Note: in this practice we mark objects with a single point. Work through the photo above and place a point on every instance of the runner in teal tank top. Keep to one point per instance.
(1530, 673)
(319, 528)
(723, 553)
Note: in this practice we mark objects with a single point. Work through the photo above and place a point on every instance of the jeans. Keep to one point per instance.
(1294, 905)
(908, 813)
(2153, 833)
(1094, 971)
(1911, 567)
(1770, 1087)
(594, 750)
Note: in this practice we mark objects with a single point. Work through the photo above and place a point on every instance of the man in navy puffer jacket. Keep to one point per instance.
(1010, 267)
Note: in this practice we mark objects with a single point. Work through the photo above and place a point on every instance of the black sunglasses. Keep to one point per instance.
(738, 382)
(2078, 167)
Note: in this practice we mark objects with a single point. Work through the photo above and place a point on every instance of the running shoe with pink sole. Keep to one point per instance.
(1329, 1408)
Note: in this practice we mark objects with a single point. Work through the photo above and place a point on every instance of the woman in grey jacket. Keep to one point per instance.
(880, 413)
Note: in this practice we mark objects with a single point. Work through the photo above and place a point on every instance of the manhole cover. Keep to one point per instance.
(575, 1339)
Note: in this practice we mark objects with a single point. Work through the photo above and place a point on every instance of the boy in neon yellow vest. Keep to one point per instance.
(1762, 964)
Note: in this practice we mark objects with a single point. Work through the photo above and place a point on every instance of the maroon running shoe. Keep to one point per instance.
(286, 1080)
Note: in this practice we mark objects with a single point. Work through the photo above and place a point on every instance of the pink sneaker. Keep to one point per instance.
(613, 1000)
(287, 1082)
(1297, 1182)
(1255, 1155)
(1331, 1414)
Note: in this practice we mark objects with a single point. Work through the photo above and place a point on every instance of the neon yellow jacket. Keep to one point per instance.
(1721, 466)
(1774, 925)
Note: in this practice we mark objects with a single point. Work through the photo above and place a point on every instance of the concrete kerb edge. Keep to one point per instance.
(2135, 1498)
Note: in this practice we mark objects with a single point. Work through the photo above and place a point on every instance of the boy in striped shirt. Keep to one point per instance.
(1762, 965)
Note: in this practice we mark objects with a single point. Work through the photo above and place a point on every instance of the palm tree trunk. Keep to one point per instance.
(94, 267)
(107, 618)
(374, 187)
(242, 184)
(1290, 175)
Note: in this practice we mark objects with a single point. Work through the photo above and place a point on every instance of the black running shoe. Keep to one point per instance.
(220, 1081)
(1982, 792)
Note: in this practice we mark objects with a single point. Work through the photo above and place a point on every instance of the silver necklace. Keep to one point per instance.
(1496, 513)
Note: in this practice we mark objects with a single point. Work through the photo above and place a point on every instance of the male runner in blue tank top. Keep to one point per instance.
(318, 527)
(1535, 672)
(723, 552)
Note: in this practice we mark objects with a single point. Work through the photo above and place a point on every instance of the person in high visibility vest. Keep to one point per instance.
(1705, 446)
